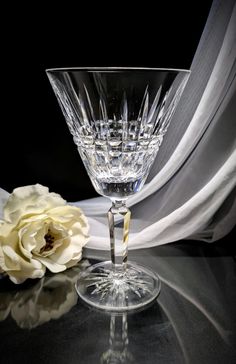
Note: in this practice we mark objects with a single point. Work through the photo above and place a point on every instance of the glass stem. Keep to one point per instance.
(119, 216)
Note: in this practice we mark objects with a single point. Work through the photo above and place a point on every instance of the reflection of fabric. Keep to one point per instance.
(194, 301)
(194, 174)
(48, 299)
(197, 296)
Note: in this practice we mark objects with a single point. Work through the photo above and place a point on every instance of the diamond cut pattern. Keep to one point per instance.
(117, 131)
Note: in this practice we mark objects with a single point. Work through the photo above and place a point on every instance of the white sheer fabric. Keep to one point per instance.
(191, 191)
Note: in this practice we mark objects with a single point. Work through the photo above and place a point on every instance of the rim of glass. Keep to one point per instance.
(116, 69)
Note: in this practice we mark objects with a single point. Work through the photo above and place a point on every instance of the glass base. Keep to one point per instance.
(111, 289)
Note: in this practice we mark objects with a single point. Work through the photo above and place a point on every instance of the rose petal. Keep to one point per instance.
(32, 218)
(19, 277)
(74, 261)
(68, 213)
(31, 237)
(12, 260)
(5, 229)
(66, 253)
(28, 200)
(80, 233)
(51, 265)
(27, 239)
(63, 255)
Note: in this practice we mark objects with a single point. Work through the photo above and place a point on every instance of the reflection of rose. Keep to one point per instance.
(40, 231)
(50, 298)
(6, 300)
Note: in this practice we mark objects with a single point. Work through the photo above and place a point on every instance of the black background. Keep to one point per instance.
(36, 146)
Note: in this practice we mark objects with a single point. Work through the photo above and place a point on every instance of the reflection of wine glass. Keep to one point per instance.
(118, 117)
(118, 350)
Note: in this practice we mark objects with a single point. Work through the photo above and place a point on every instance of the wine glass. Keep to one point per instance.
(118, 118)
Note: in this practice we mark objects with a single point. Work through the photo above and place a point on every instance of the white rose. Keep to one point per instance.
(40, 231)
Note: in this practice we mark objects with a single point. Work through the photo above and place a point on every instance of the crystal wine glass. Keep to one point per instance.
(118, 118)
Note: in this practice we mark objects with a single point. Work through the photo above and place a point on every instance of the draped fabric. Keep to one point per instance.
(190, 192)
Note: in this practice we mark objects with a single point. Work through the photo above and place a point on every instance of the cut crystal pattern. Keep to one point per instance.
(117, 141)
(116, 287)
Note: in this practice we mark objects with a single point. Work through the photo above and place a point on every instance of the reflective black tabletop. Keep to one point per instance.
(192, 321)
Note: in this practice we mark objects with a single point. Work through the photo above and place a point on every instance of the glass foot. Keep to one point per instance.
(115, 290)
